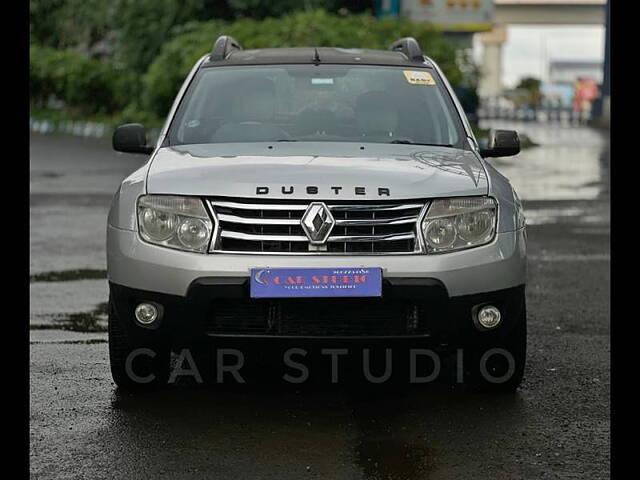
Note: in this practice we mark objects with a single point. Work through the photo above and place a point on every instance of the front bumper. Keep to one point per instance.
(133, 263)
(221, 308)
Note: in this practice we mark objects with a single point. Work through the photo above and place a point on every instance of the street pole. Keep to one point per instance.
(606, 81)
(601, 109)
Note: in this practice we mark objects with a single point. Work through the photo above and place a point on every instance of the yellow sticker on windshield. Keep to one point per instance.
(418, 78)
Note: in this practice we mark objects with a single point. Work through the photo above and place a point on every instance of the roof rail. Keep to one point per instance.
(222, 47)
(410, 47)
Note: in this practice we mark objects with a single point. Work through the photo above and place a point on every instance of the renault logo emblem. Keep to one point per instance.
(317, 223)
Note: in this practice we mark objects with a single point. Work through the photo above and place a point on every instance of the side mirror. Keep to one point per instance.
(131, 138)
(502, 143)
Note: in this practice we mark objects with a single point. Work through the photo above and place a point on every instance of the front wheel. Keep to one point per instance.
(135, 367)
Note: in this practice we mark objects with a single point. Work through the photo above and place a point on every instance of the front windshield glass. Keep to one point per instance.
(338, 103)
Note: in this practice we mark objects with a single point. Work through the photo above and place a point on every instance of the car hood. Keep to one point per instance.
(340, 171)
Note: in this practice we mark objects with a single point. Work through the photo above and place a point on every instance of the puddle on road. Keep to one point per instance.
(70, 300)
(87, 322)
(550, 257)
(93, 321)
(46, 174)
(69, 275)
(89, 341)
(386, 447)
(381, 432)
(575, 214)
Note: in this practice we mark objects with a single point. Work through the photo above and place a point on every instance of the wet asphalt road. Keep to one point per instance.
(556, 426)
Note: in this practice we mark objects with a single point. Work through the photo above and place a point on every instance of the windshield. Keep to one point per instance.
(338, 103)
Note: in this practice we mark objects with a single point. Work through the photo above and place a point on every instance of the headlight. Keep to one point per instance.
(457, 223)
(175, 222)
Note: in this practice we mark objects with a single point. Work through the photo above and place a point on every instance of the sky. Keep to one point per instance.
(529, 48)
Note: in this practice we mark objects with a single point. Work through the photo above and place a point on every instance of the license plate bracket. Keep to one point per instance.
(316, 282)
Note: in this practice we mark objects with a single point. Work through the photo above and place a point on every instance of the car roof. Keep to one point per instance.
(308, 55)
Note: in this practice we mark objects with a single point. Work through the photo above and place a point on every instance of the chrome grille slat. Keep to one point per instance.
(371, 238)
(260, 206)
(376, 207)
(275, 227)
(223, 217)
(377, 221)
(263, 238)
(332, 238)
(303, 206)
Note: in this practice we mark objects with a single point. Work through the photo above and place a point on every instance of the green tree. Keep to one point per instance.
(259, 9)
(86, 85)
(143, 26)
(136, 29)
(306, 28)
(531, 86)
(70, 23)
(152, 44)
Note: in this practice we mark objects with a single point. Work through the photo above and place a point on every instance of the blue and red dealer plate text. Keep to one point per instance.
(316, 282)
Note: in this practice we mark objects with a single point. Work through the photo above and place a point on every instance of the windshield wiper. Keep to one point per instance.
(409, 142)
(286, 140)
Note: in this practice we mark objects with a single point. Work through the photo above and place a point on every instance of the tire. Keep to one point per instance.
(496, 363)
(150, 362)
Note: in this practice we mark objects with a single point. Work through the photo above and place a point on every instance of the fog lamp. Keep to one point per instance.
(489, 316)
(146, 313)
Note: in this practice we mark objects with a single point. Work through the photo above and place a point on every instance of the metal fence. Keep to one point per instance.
(547, 112)
(81, 128)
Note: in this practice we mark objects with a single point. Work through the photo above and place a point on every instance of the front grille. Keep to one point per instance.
(312, 317)
(274, 226)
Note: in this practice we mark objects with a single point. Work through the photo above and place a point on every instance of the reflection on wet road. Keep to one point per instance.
(556, 426)
(570, 163)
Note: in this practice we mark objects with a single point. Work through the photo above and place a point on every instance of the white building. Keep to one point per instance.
(566, 72)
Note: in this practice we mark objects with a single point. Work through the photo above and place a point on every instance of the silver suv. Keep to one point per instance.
(330, 193)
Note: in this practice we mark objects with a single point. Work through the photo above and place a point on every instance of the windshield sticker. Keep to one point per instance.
(322, 81)
(418, 78)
